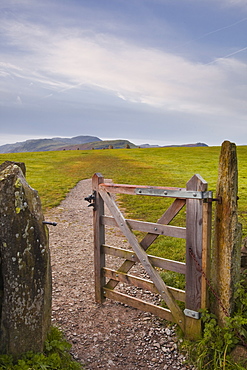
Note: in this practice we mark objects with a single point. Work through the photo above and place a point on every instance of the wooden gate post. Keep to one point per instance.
(226, 256)
(197, 244)
(99, 238)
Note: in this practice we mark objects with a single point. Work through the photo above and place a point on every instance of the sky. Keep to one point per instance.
(150, 71)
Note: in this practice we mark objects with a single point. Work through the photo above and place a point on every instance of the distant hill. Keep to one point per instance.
(171, 146)
(187, 145)
(43, 145)
(149, 146)
(103, 144)
(77, 143)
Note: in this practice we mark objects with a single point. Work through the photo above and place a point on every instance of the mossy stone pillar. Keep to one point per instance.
(25, 272)
(226, 256)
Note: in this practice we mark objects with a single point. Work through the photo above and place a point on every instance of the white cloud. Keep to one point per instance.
(68, 59)
(19, 101)
(241, 3)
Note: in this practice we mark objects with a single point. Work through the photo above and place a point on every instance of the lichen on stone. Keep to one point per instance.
(25, 307)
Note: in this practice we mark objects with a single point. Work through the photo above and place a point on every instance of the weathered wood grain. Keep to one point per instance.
(99, 238)
(145, 284)
(161, 312)
(162, 263)
(194, 228)
(130, 189)
(149, 227)
(206, 251)
(167, 217)
(143, 258)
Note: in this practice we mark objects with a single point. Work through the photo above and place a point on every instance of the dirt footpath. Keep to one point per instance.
(108, 336)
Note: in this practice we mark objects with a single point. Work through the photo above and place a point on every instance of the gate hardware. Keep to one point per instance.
(194, 314)
(178, 193)
(219, 200)
(90, 199)
(50, 223)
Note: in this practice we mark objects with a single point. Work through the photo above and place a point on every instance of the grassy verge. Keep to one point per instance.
(217, 347)
(55, 356)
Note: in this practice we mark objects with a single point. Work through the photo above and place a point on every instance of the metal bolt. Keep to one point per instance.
(133, 256)
(139, 191)
(165, 192)
(116, 275)
(155, 229)
(194, 194)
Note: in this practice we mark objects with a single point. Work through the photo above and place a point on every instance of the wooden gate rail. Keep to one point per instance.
(178, 294)
(162, 263)
(196, 233)
(150, 227)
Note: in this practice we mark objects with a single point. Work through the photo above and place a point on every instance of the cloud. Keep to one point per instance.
(241, 3)
(19, 101)
(65, 59)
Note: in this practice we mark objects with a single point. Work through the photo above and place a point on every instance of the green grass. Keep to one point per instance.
(53, 174)
(214, 350)
(55, 356)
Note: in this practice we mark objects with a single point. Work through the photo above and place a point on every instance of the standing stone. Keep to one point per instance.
(25, 272)
(226, 259)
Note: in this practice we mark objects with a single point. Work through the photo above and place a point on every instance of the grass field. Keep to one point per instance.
(53, 174)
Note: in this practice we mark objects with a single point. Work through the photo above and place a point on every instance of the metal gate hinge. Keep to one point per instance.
(194, 314)
(177, 193)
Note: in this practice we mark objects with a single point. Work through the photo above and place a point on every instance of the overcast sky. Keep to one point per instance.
(150, 71)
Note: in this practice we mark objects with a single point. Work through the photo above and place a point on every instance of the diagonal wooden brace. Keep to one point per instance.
(143, 258)
(165, 219)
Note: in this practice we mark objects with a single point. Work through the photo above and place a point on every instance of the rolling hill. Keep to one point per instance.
(43, 145)
(81, 142)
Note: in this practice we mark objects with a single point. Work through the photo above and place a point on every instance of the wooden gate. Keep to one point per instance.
(198, 201)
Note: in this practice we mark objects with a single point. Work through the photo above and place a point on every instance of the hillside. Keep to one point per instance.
(43, 145)
(81, 142)
(173, 146)
(103, 144)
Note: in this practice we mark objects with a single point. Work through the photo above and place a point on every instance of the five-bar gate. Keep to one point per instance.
(198, 201)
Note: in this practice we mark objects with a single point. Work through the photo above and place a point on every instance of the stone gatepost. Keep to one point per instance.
(226, 252)
(25, 271)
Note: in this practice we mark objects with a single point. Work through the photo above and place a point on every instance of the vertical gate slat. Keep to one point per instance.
(194, 230)
(206, 251)
(99, 238)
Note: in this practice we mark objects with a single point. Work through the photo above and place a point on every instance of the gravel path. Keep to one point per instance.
(108, 336)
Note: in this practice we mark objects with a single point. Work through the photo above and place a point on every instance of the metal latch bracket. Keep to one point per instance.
(91, 199)
(194, 314)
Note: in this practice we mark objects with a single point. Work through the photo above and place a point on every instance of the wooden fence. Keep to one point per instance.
(198, 202)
